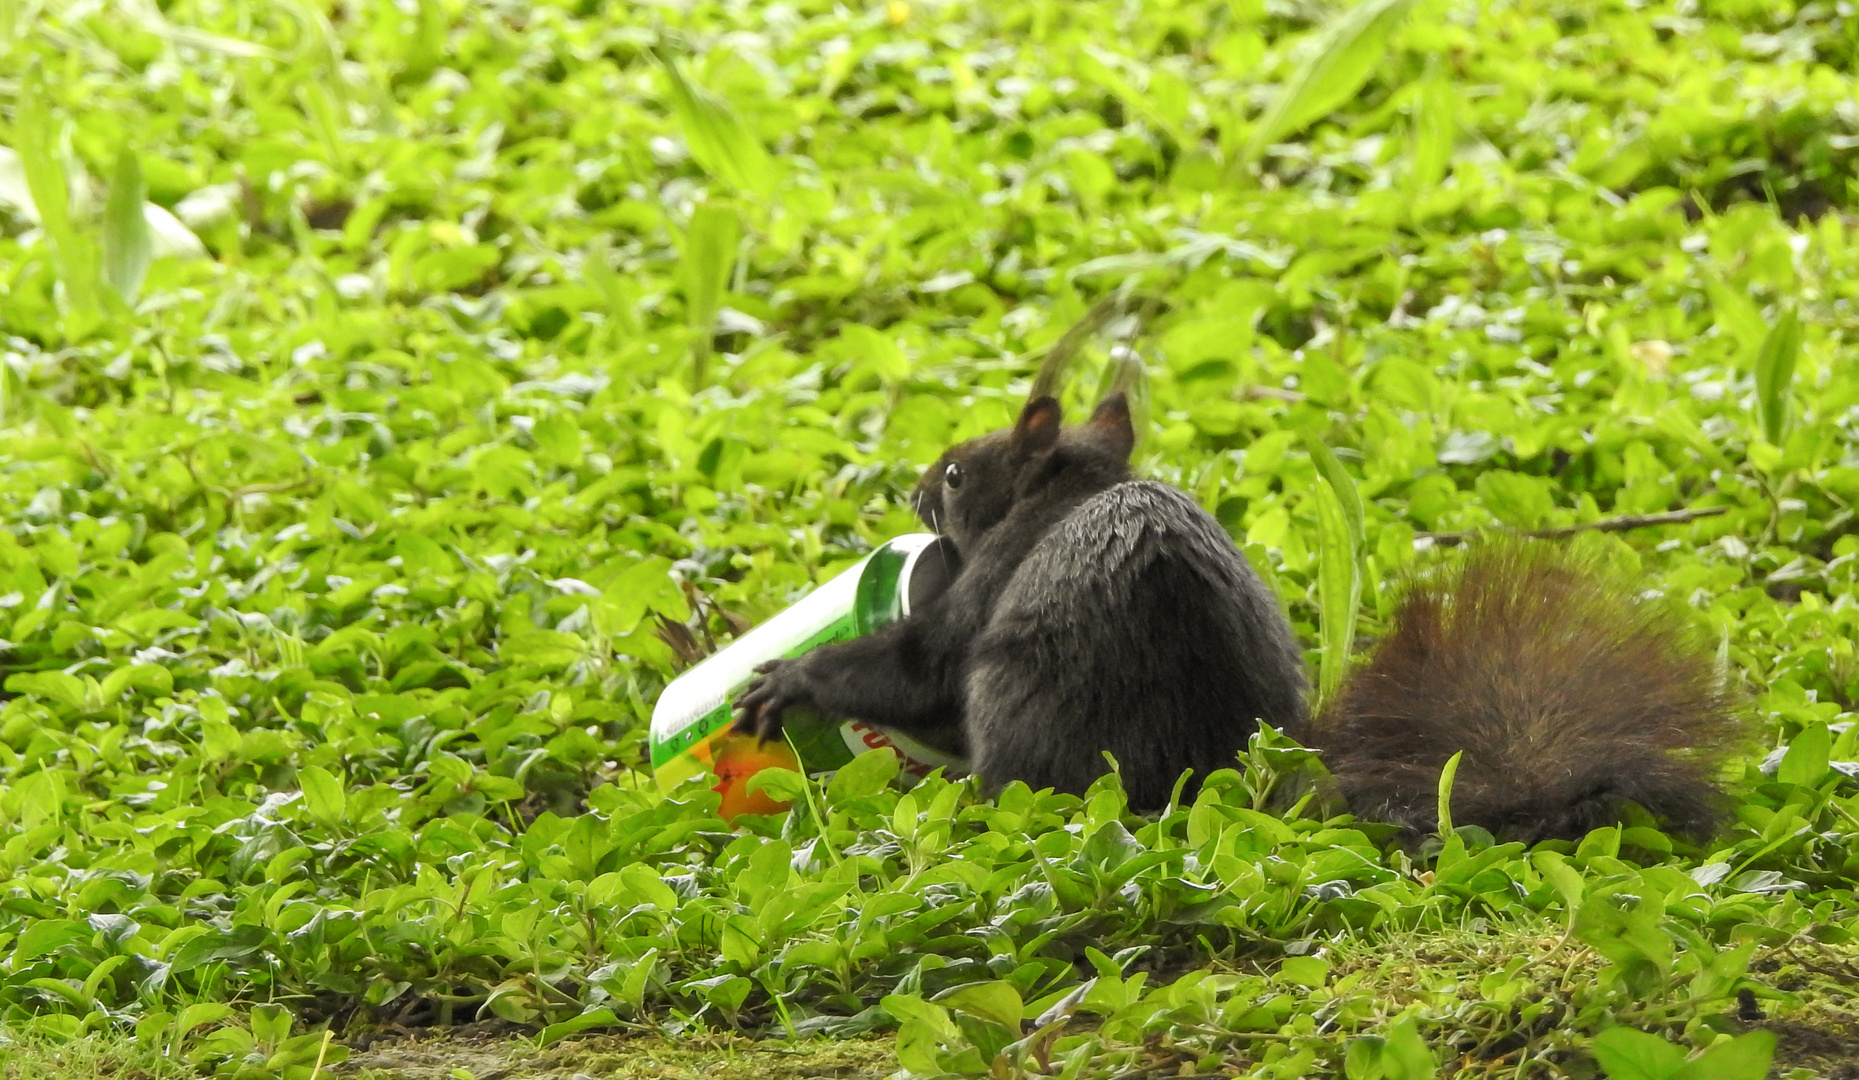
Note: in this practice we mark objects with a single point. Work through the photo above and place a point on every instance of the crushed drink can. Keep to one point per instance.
(690, 732)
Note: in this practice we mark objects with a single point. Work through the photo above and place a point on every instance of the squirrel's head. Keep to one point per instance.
(976, 484)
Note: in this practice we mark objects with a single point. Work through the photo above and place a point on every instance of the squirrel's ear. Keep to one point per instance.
(1112, 423)
(1038, 428)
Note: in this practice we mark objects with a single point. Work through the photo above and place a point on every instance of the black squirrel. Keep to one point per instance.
(1094, 612)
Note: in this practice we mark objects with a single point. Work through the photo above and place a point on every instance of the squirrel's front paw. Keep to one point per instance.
(779, 687)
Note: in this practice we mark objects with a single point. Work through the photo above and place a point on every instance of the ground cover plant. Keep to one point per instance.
(396, 395)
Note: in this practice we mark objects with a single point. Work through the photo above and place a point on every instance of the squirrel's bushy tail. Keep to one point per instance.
(1568, 696)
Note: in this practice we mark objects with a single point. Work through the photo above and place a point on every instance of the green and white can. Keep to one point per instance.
(690, 732)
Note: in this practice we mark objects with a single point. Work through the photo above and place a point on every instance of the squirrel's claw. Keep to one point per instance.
(760, 707)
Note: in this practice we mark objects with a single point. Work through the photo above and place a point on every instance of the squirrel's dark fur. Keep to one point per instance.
(1092, 612)
(1569, 698)
(1134, 626)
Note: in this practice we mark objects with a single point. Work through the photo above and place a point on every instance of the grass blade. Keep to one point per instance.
(1094, 66)
(717, 138)
(74, 251)
(147, 16)
(1332, 472)
(1435, 127)
(1346, 54)
(617, 295)
(1339, 568)
(1055, 366)
(1127, 374)
(1735, 313)
(709, 256)
(1775, 375)
(1446, 777)
(128, 246)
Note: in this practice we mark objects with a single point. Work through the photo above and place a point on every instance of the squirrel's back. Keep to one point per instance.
(1568, 697)
(1133, 626)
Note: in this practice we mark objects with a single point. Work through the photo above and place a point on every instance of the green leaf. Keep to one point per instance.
(1095, 66)
(421, 555)
(559, 440)
(709, 255)
(127, 244)
(323, 795)
(638, 977)
(718, 140)
(1447, 774)
(1745, 1057)
(1627, 931)
(645, 586)
(270, 1023)
(56, 686)
(1347, 52)
(151, 621)
(460, 268)
(217, 946)
(93, 983)
(1775, 362)
(922, 1029)
(1363, 1061)
(862, 777)
(1627, 1054)
(43, 936)
(543, 648)
(785, 785)
(1307, 971)
(1808, 755)
(136, 676)
(645, 883)
(1406, 1056)
(1565, 879)
(1735, 313)
(1517, 500)
(741, 942)
(587, 1021)
(995, 1002)
(726, 992)
(199, 1014)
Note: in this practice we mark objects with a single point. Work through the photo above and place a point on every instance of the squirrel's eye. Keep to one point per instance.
(952, 476)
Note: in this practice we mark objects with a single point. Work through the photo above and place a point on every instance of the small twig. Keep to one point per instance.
(1844, 972)
(1613, 524)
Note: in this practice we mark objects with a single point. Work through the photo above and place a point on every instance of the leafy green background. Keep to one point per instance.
(347, 492)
